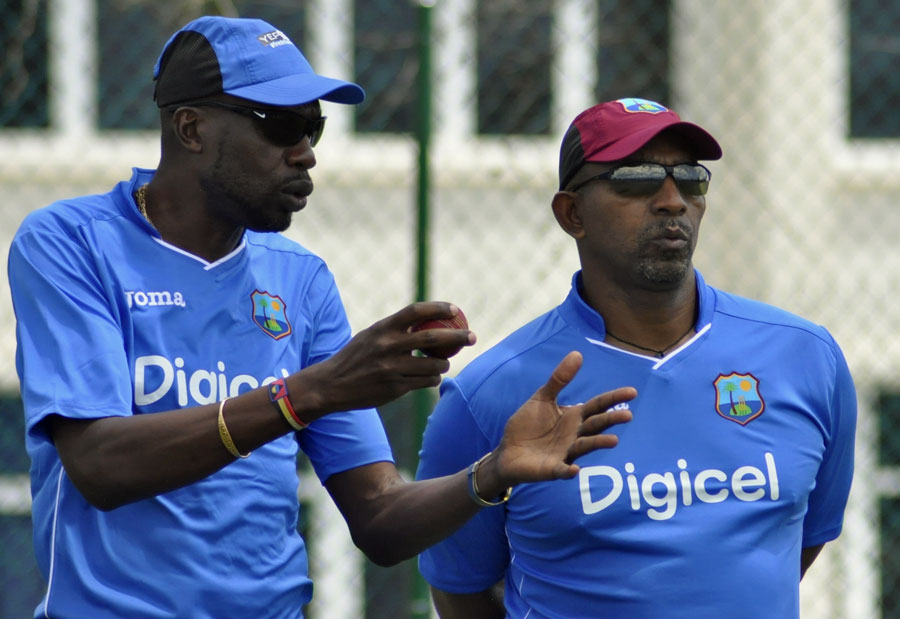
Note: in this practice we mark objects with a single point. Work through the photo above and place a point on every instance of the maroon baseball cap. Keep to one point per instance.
(614, 130)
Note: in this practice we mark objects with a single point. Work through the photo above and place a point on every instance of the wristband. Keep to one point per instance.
(225, 435)
(278, 393)
(473, 486)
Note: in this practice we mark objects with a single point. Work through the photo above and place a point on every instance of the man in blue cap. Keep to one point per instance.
(165, 333)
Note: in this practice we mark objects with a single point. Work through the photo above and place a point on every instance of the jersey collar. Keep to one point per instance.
(590, 323)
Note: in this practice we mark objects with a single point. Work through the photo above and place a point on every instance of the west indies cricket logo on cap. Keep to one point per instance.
(738, 398)
(269, 315)
(642, 105)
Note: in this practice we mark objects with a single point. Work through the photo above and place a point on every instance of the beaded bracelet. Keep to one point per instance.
(225, 435)
(473, 486)
(278, 393)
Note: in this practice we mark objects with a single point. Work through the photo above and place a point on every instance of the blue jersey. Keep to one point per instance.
(740, 453)
(112, 321)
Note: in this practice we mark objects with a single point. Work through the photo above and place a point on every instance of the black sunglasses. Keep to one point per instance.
(645, 179)
(280, 127)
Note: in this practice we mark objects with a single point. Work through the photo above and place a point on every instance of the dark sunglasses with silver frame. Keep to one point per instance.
(280, 127)
(645, 178)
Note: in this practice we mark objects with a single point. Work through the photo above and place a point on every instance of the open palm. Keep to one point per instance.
(542, 439)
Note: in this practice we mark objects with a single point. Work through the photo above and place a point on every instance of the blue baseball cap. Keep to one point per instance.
(246, 58)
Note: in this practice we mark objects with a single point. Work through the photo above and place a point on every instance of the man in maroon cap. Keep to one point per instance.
(736, 466)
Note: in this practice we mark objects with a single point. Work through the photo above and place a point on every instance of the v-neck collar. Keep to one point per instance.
(587, 321)
(139, 177)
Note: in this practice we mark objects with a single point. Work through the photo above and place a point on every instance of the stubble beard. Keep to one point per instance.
(662, 272)
(227, 192)
(664, 268)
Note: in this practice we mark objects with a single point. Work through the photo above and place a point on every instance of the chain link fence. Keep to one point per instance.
(804, 96)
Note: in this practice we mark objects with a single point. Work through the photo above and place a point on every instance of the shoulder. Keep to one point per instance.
(284, 265)
(767, 318)
(496, 383)
(274, 249)
(510, 371)
(66, 216)
(779, 333)
(278, 243)
(508, 355)
(68, 232)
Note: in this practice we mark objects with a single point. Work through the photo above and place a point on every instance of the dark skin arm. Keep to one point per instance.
(807, 556)
(117, 460)
(392, 520)
(486, 604)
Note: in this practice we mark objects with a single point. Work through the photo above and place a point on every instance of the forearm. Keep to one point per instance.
(117, 460)
(391, 519)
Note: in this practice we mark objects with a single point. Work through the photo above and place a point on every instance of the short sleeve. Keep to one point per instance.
(70, 358)
(476, 556)
(824, 517)
(330, 328)
(340, 441)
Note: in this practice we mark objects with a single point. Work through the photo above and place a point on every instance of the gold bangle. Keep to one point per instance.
(225, 435)
(473, 486)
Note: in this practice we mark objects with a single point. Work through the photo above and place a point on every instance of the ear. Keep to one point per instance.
(186, 127)
(565, 209)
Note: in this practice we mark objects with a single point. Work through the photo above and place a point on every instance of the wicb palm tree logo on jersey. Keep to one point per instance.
(269, 315)
(738, 398)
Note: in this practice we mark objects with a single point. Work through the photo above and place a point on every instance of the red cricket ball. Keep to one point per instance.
(456, 322)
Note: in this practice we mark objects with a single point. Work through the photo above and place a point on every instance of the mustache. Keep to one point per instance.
(669, 228)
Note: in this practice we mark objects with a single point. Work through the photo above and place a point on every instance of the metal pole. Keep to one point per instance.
(423, 139)
(424, 398)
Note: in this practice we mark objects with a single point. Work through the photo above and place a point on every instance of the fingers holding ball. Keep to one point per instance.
(445, 351)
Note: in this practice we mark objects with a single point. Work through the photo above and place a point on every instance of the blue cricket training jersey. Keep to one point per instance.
(112, 321)
(740, 453)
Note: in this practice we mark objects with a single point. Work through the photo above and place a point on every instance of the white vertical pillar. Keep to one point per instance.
(859, 554)
(73, 66)
(329, 48)
(455, 71)
(857, 550)
(574, 70)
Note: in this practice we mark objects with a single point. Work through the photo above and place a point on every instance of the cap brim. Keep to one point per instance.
(705, 145)
(300, 89)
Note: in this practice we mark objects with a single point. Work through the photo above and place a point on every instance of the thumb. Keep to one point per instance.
(564, 470)
(562, 376)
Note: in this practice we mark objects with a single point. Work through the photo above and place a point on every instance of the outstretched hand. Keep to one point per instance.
(542, 439)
